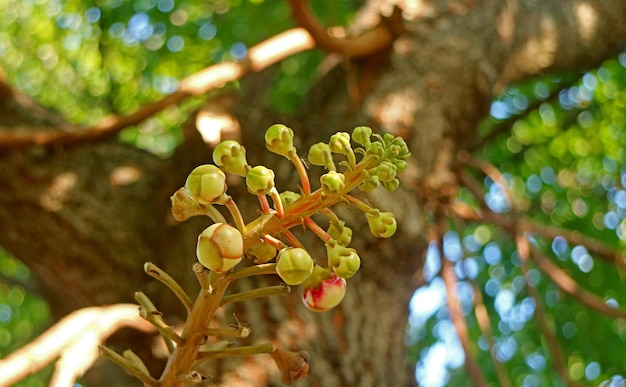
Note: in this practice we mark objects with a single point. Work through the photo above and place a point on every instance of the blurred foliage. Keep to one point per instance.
(559, 140)
(23, 313)
(90, 58)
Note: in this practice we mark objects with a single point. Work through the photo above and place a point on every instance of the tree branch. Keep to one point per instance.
(377, 39)
(454, 305)
(571, 287)
(75, 339)
(595, 246)
(259, 57)
(558, 361)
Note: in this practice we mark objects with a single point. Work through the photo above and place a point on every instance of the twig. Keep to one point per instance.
(60, 340)
(372, 41)
(601, 249)
(490, 170)
(259, 57)
(454, 305)
(571, 287)
(482, 316)
(558, 360)
(156, 272)
(126, 365)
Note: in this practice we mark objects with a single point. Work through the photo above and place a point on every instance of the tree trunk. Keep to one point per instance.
(85, 217)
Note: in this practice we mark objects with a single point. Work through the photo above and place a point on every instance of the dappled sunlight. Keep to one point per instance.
(58, 191)
(587, 19)
(124, 175)
(216, 126)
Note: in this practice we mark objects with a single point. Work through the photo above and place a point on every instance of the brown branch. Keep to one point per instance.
(259, 57)
(377, 39)
(75, 339)
(599, 248)
(595, 246)
(558, 360)
(456, 315)
(484, 323)
(571, 287)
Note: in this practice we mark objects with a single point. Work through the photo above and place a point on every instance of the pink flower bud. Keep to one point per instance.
(326, 296)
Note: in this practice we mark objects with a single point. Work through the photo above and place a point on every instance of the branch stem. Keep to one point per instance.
(154, 271)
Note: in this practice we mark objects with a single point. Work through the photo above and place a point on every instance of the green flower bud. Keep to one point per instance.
(206, 183)
(370, 184)
(294, 265)
(399, 148)
(260, 180)
(288, 197)
(361, 135)
(279, 139)
(340, 232)
(332, 182)
(401, 165)
(230, 156)
(325, 293)
(340, 143)
(386, 171)
(262, 252)
(344, 261)
(220, 247)
(375, 151)
(391, 185)
(320, 154)
(382, 224)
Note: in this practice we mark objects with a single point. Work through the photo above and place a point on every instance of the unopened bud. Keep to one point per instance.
(340, 232)
(294, 265)
(382, 224)
(340, 143)
(344, 261)
(279, 139)
(327, 294)
(260, 180)
(220, 247)
(332, 182)
(230, 156)
(206, 183)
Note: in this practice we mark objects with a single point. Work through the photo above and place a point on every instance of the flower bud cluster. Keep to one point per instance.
(369, 161)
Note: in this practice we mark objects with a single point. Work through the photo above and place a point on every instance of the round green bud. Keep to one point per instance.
(340, 232)
(230, 156)
(401, 165)
(320, 154)
(279, 139)
(262, 252)
(340, 143)
(260, 180)
(332, 182)
(370, 184)
(382, 224)
(361, 135)
(220, 247)
(399, 148)
(288, 197)
(386, 171)
(294, 265)
(344, 261)
(206, 183)
(391, 185)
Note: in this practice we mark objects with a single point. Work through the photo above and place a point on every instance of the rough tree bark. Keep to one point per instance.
(85, 217)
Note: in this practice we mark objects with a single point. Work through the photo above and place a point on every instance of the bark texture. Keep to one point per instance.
(86, 217)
